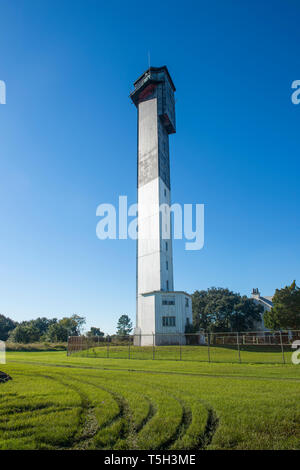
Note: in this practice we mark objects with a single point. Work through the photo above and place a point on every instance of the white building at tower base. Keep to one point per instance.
(165, 315)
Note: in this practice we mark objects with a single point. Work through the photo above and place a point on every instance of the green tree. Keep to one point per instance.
(24, 333)
(201, 317)
(67, 326)
(124, 326)
(73, 324)
(58, 332)
(285, 313)
(80, 322)
(6, 326)
(32, 331)
(219, 309)
(42, 329)
(42, 324)
(245, 315)
(95, 332)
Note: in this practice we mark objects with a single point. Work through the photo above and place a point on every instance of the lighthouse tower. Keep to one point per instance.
(160, 310)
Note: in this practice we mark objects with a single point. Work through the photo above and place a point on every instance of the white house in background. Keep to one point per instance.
(160, 309)
(266, 302)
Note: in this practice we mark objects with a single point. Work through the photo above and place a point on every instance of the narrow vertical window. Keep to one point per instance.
(167, 265)
(166, 246)
(169, 321)
(167, 285)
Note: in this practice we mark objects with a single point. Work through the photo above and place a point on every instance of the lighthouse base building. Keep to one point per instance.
(162, 318)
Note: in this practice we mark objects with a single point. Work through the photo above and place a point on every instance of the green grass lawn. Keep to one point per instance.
(60, 402)
(247, 354)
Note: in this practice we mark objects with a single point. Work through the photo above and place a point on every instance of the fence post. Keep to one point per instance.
(107, 347)
(153, 346)
(128, 346)
(180, 336)
(282, 350)
(238, 345)
(208, 344)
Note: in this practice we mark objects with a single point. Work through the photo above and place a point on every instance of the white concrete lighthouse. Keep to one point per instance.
(160, 310)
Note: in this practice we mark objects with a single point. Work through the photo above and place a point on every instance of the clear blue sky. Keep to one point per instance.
(68, 143)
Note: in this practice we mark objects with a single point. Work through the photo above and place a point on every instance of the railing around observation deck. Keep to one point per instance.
(246, 347)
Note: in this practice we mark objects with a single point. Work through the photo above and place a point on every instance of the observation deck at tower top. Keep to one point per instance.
(157, 82)
(151, 75)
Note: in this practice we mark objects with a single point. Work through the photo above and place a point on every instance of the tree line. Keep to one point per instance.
(219, 309)
(215, 309)
(41, 329)
(53, 330)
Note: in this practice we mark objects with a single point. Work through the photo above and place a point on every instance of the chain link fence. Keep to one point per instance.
(246, 347)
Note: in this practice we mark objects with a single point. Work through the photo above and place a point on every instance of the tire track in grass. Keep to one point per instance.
(89, 424)
(130, 438)
(44, 408)
(205, 437)
(121, 422)
(27, 408)
(128, 431)
(82, 433)
(124, 413)
(88, 430)
(151, 412)
(127, 438)
(162, 372)
(166, 424)
(186, 420)
(84, 437)
(183, 425)
(201, 439)
(210, 428)
(89, 427)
